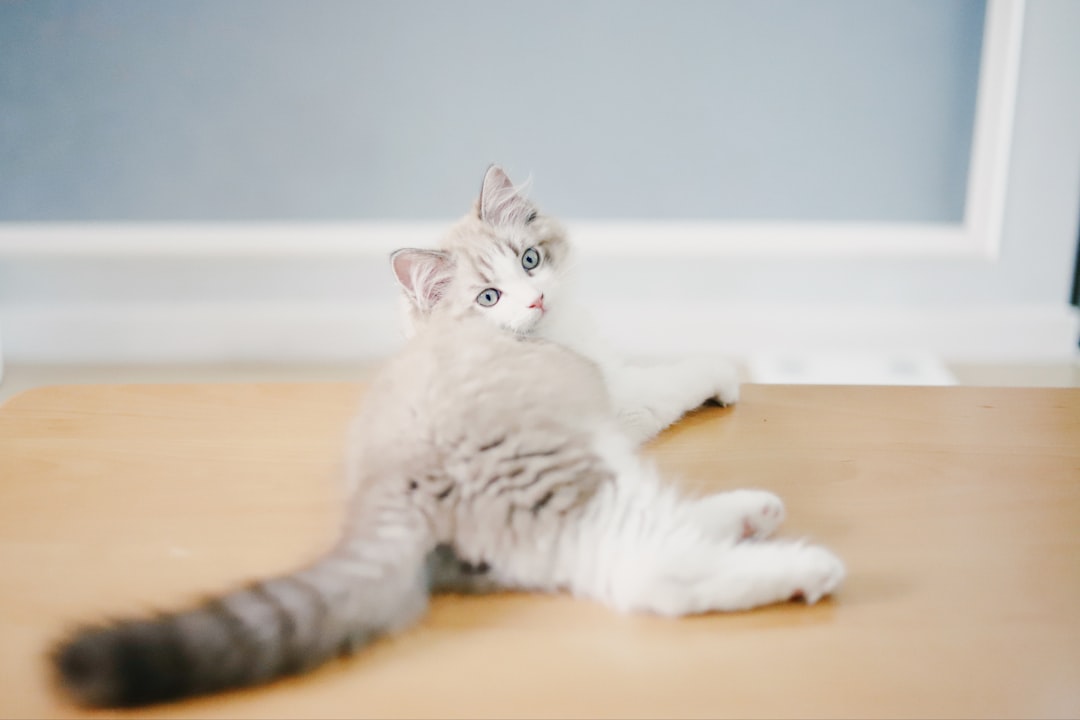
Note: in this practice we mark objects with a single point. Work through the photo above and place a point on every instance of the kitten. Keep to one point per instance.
(519, 263)
(484, 456)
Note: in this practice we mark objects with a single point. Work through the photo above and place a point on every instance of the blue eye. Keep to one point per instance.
(530, 259)
(488, 297)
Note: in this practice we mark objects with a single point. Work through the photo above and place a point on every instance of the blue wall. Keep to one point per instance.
(770, 109)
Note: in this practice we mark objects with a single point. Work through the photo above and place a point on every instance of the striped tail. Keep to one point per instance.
(267, 630)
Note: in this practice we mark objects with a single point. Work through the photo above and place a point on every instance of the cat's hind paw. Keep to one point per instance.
(740, 514)
(763, 514)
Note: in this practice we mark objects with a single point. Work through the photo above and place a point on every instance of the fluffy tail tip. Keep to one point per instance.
(84, 668)
(114, 666)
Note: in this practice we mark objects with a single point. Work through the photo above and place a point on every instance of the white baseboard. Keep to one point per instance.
(188, 332)
(192, 332)
(994, 334)
(848, 368)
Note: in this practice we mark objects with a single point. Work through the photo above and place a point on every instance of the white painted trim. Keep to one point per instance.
(977, 237)
(995, 104)
(146, 240)
(978, 333)
(194, 332)
(366, 239)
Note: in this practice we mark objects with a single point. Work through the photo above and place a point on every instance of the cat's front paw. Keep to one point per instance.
(727, 384)
(819, 572)
(722, 381)
(725, 396)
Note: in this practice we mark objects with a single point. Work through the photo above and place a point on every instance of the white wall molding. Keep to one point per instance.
(995, 103)
(191, 332)
(785, 240)
(983, 334)
(145, 240)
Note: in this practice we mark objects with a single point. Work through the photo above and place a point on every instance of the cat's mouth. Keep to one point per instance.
(529, 322)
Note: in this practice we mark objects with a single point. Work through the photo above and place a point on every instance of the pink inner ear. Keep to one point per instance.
(401, 262)
(496, 181)
(499, 201)
(423, 274)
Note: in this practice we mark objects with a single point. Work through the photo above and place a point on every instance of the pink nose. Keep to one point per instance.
(538, 302)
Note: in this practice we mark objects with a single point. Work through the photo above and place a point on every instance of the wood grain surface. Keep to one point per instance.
(957, 511)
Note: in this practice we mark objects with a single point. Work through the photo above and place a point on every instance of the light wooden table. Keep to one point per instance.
(956, 509)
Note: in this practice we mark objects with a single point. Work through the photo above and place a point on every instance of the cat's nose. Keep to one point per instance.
(538, 302)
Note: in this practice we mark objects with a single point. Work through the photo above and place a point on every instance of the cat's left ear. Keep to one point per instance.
(500, 202)
(424, 275)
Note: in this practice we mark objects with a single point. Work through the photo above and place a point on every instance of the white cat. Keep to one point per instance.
(485, 456)
(520, 262)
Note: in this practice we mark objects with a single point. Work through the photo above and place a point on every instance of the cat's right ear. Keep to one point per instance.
(423, 274)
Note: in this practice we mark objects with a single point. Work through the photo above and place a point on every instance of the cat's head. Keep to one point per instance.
(505, 261)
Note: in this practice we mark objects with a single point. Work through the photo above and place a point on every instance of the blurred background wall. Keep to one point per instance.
(264, 109)
(200, 125)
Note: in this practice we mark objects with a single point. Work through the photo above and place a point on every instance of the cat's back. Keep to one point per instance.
(474, 364)
(458, 375)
